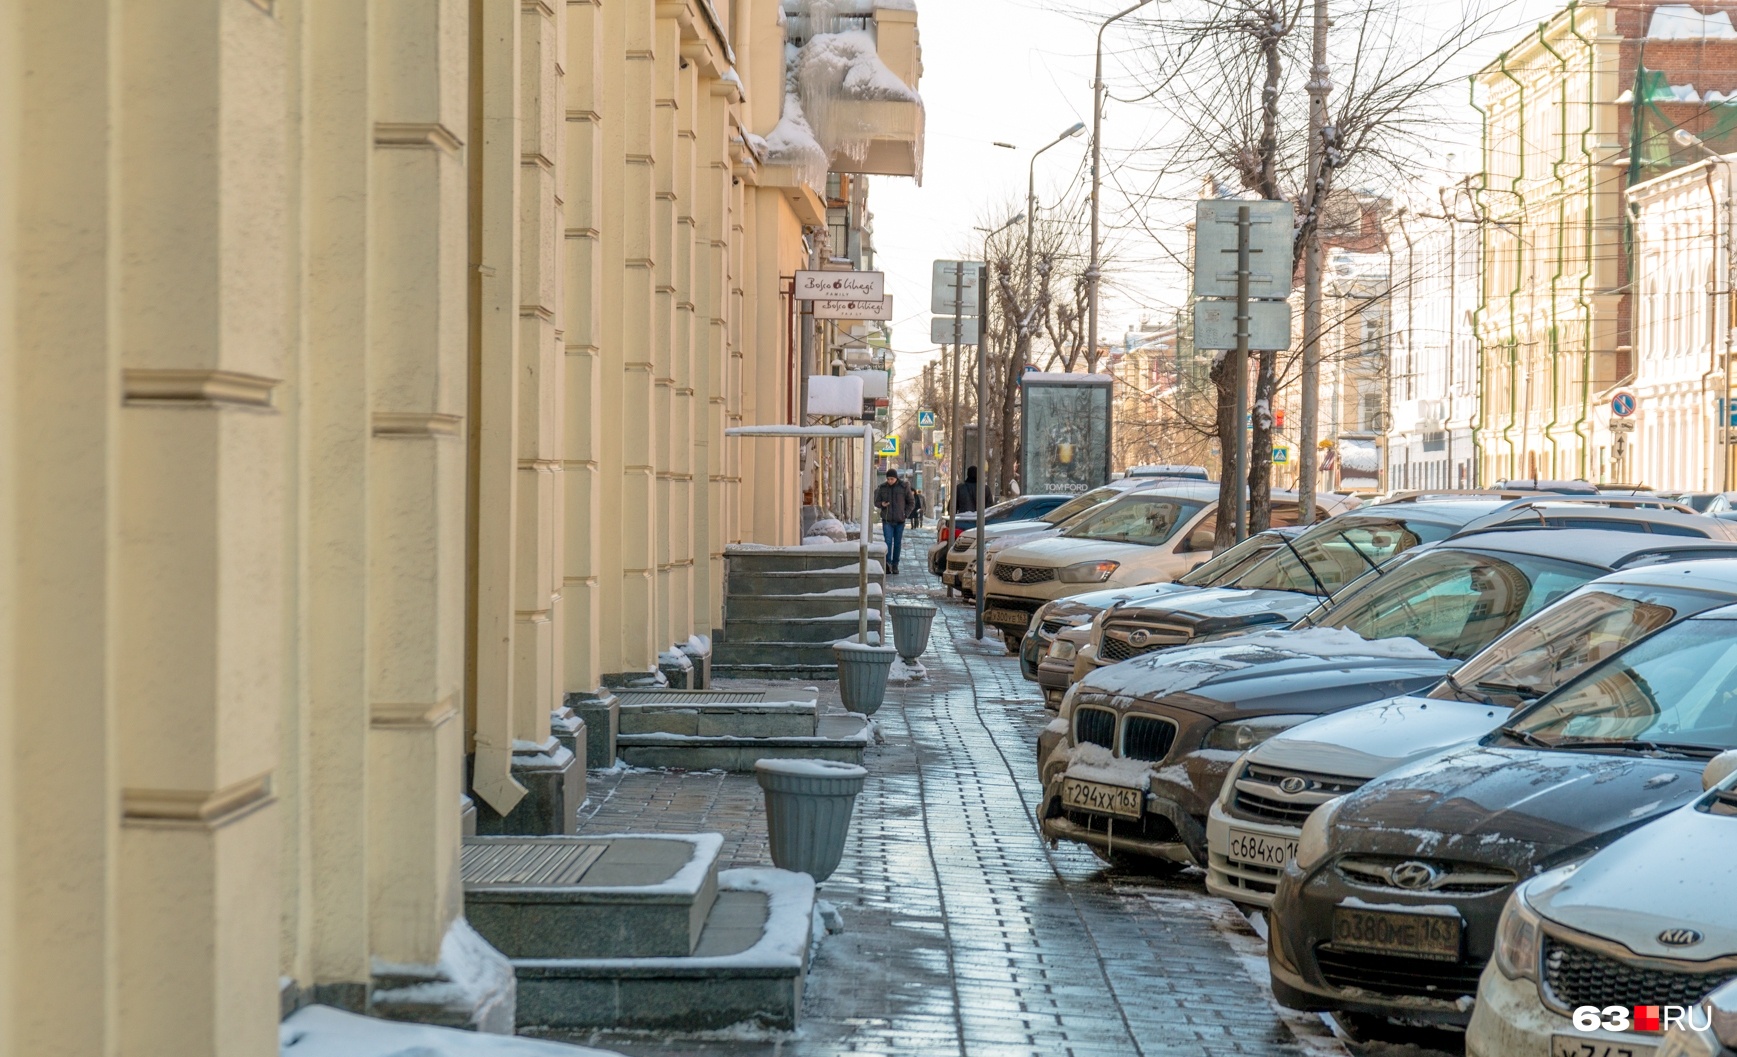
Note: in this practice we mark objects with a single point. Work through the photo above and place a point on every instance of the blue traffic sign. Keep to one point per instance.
(1622, 404)
(925, 420)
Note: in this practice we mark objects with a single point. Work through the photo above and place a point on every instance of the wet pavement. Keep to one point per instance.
(964, 935)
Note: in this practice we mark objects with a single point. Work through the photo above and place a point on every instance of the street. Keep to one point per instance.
(963, 934)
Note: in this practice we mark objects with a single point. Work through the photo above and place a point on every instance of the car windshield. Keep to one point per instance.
(1331, 555)
(1456, 602)
(1144, 519)
(1080, 504)
(1233, 563)
(1002, 508)
(1676, 691)
(1565, 639)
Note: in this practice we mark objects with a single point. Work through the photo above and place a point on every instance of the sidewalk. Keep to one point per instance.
(964, 936)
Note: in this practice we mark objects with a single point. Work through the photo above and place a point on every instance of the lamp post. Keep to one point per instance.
(1031, 194)
(1686, 138)
(1097, 154)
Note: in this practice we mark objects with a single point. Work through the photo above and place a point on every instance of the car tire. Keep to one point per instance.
(1133, 862)
(1012, 642)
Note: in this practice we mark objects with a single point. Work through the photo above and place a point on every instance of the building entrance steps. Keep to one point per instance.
(609, 896)
(840, 737)
(718, 713)
(748, 582)
(813, 604)
(748, 966)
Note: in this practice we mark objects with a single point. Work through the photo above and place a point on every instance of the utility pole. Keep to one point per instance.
(1097, 183)
(1309, 433)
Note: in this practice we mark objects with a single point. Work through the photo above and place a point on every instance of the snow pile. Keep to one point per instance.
(831, 528)
(1158, 675)
(1094, 763)
(1361, 456)
(1683, 22)
(792, 142)
(837, 74)
(321, 1031)
(1343, 642)
(471, 975)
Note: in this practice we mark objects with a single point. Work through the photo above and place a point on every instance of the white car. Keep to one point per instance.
(1253, 826)
(962, 552)
(1588, 953)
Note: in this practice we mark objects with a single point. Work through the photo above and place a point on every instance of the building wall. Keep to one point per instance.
(1432, 389)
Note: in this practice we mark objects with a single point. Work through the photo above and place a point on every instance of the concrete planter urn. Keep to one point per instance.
(862, 675)
(808, 806)
(911, 622)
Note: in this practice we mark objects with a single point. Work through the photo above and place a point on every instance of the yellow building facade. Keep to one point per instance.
(365, 367)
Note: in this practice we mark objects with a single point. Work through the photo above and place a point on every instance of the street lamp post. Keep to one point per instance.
(1097, 155)
(1031, 194)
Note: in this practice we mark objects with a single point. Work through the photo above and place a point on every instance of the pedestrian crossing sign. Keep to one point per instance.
(889, 448)
(925, 420)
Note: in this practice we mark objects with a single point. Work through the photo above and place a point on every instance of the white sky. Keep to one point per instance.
(1020, 71)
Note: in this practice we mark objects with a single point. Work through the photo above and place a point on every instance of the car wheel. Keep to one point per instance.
(1012, 642)
(1133, 862)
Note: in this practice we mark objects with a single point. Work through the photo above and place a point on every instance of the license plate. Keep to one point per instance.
(1258, 849)
(1435, 937)
(1103, 799)
(1006, 616)
(1581, 1046)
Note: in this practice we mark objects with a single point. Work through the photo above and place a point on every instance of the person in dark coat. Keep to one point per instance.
(917, 510)
(965, 496)
(894, 500)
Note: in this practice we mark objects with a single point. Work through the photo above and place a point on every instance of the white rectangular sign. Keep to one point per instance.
(840, 286)
(833, 309)
(941, 331)
(948, 294)
(1269, 243)
(1269, 325)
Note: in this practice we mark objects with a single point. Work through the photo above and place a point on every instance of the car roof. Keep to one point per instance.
(1518, 515)
(1607, 547)
(1176, 487)
(1455, 512)
(1701, 574)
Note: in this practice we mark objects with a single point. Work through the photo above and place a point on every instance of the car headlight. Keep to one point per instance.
(1517, 938)
(1246, 734)
(1227, 792)
(1037, 618)
(1087, 572)
(1710, 1029)
(1315, 842)
(1066, 709)
(1061, 650)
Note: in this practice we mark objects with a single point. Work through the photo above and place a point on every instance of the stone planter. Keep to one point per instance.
(911, 622)
(862, 675)
(808, 806)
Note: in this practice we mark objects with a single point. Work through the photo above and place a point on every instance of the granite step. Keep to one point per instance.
(799, 606)
(748, 967)
(838, 736)
(839, 623)
(718, 714)
(616, 896)
(746, 583)
(759, 659)
(753, 558)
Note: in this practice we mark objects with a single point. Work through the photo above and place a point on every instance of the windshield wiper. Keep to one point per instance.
(1631, 745)
(1319, 586)
(1465, 694)
(1517, 689)
(1349, 542)
(1526, 737)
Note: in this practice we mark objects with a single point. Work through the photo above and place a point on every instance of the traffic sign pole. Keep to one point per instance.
(1241, 365)
(982, 451)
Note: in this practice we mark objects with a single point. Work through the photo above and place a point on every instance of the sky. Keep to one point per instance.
(1020, 72)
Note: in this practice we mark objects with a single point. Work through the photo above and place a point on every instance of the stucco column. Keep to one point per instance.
(666, 438)
(688, 548)
(417, 378)
(199, 643)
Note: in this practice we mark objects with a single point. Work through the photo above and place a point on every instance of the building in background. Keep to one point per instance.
(367, 368)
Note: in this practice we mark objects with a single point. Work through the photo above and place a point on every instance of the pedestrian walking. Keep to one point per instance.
(917, 509)
(895, 501)
(965, 497)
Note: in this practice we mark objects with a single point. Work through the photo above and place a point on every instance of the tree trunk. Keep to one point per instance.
(1260, 448)
(1224, 385)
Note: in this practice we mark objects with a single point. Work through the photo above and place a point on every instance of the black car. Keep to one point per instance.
(1182, 717)
(1391, 905)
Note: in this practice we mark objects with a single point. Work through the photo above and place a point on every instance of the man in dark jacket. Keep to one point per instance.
(965, 496)
(894, 500)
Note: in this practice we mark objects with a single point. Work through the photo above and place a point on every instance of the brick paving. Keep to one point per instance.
(964, 935)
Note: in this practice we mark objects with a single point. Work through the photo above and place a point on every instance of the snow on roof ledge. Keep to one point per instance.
(322, 1031)
(1683, 22)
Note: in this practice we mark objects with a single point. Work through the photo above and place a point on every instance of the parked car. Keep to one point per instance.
(1697, 501)
(1076, 613)
(1254, 824)
(1648, 921)
(1147, 743)
(1171, 470)
(1663, 517)
(1286, 587)
(1391, 904)
(1048, 521)
(1151, 535)
(1712, 1031)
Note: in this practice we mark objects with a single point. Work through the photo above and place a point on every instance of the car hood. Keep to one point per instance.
(1297, 672)
(1094, 602)
(1675, 873)
(1213, 609)
(1372, 739)
(1514, 806)
(998, 529)
(1058, 551)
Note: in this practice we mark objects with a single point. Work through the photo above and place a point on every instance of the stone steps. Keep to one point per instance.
(824, 629)
(757, 559)
(738, 609)
(839, 736)
(768, 660)
(748, 583)
(748, 966)
(756, 719)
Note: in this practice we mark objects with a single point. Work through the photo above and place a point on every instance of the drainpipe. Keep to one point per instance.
(1410, 318)
(1713, 320)
(1519, 268)
(1481, 424)
(1583, 305)
(1561, 258)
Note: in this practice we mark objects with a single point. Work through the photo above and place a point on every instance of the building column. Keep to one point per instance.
(666, 73)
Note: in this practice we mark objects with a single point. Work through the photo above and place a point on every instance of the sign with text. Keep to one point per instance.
(1269, 244)
(840, 286)
(956, 287)
(1269, 325)
(830, 308)
(941, 331)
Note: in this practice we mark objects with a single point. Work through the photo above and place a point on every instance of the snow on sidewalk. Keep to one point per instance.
(324, 1031)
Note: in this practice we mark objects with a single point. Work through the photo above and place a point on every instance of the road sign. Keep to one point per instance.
(889, 448)
(1281, 456)
(1622, 404)
(939, 446)
(849, 286)
(1269, 244)
(941, 330)
(1269, 325)
(925, 420)
(834, 309)
(948, 295)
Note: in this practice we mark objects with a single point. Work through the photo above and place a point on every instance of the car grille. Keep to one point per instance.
(1391, 975)
(1451, 878)
(1095, 726)
(1023, 574)
(1245, 876)
(964, 543)
(1049, 628)
(1146, 738)
(1259, 796)
(1576, 976)
(1125, 639)
(1157, 829)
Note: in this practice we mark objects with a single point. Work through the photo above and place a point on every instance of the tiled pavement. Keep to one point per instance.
(964, 935)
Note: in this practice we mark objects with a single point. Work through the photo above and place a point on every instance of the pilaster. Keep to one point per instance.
(639, 422)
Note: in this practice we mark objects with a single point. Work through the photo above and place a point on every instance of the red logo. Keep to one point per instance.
(1646, 1018)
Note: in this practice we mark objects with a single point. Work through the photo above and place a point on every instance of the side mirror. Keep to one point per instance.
(1200, 540)
(1719, 768)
